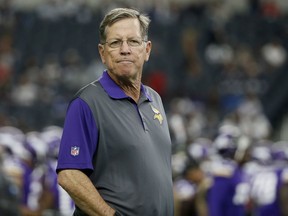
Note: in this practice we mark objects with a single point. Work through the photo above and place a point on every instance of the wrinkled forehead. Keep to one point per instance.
(128, 27)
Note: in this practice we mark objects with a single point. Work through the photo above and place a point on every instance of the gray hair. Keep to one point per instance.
(118, 14)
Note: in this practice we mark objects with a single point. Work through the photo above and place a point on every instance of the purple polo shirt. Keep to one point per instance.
(80, 133)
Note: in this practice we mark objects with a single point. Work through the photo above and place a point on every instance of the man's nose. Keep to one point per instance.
(125, 47)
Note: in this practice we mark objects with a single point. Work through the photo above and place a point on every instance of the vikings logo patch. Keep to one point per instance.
(157, 114)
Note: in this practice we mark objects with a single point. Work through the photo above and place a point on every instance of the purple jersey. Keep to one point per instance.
(32, 186)
(229, 192)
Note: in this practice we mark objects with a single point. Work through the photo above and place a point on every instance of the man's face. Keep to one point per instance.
(125, 60)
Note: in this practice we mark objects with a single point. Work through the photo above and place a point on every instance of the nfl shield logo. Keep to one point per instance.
(75, 150)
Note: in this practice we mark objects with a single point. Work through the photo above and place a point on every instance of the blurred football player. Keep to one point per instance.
(229, 192)
(269, 190)
(56, 199)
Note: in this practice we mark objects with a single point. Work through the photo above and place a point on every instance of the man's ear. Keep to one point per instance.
(148, 50)
(101, 52)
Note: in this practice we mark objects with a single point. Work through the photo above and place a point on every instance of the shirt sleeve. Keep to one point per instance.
(79, 138)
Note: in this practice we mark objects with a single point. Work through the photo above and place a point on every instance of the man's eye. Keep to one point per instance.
(134, 42)
(115, 43)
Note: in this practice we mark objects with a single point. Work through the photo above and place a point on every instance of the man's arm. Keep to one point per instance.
(83, 193)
